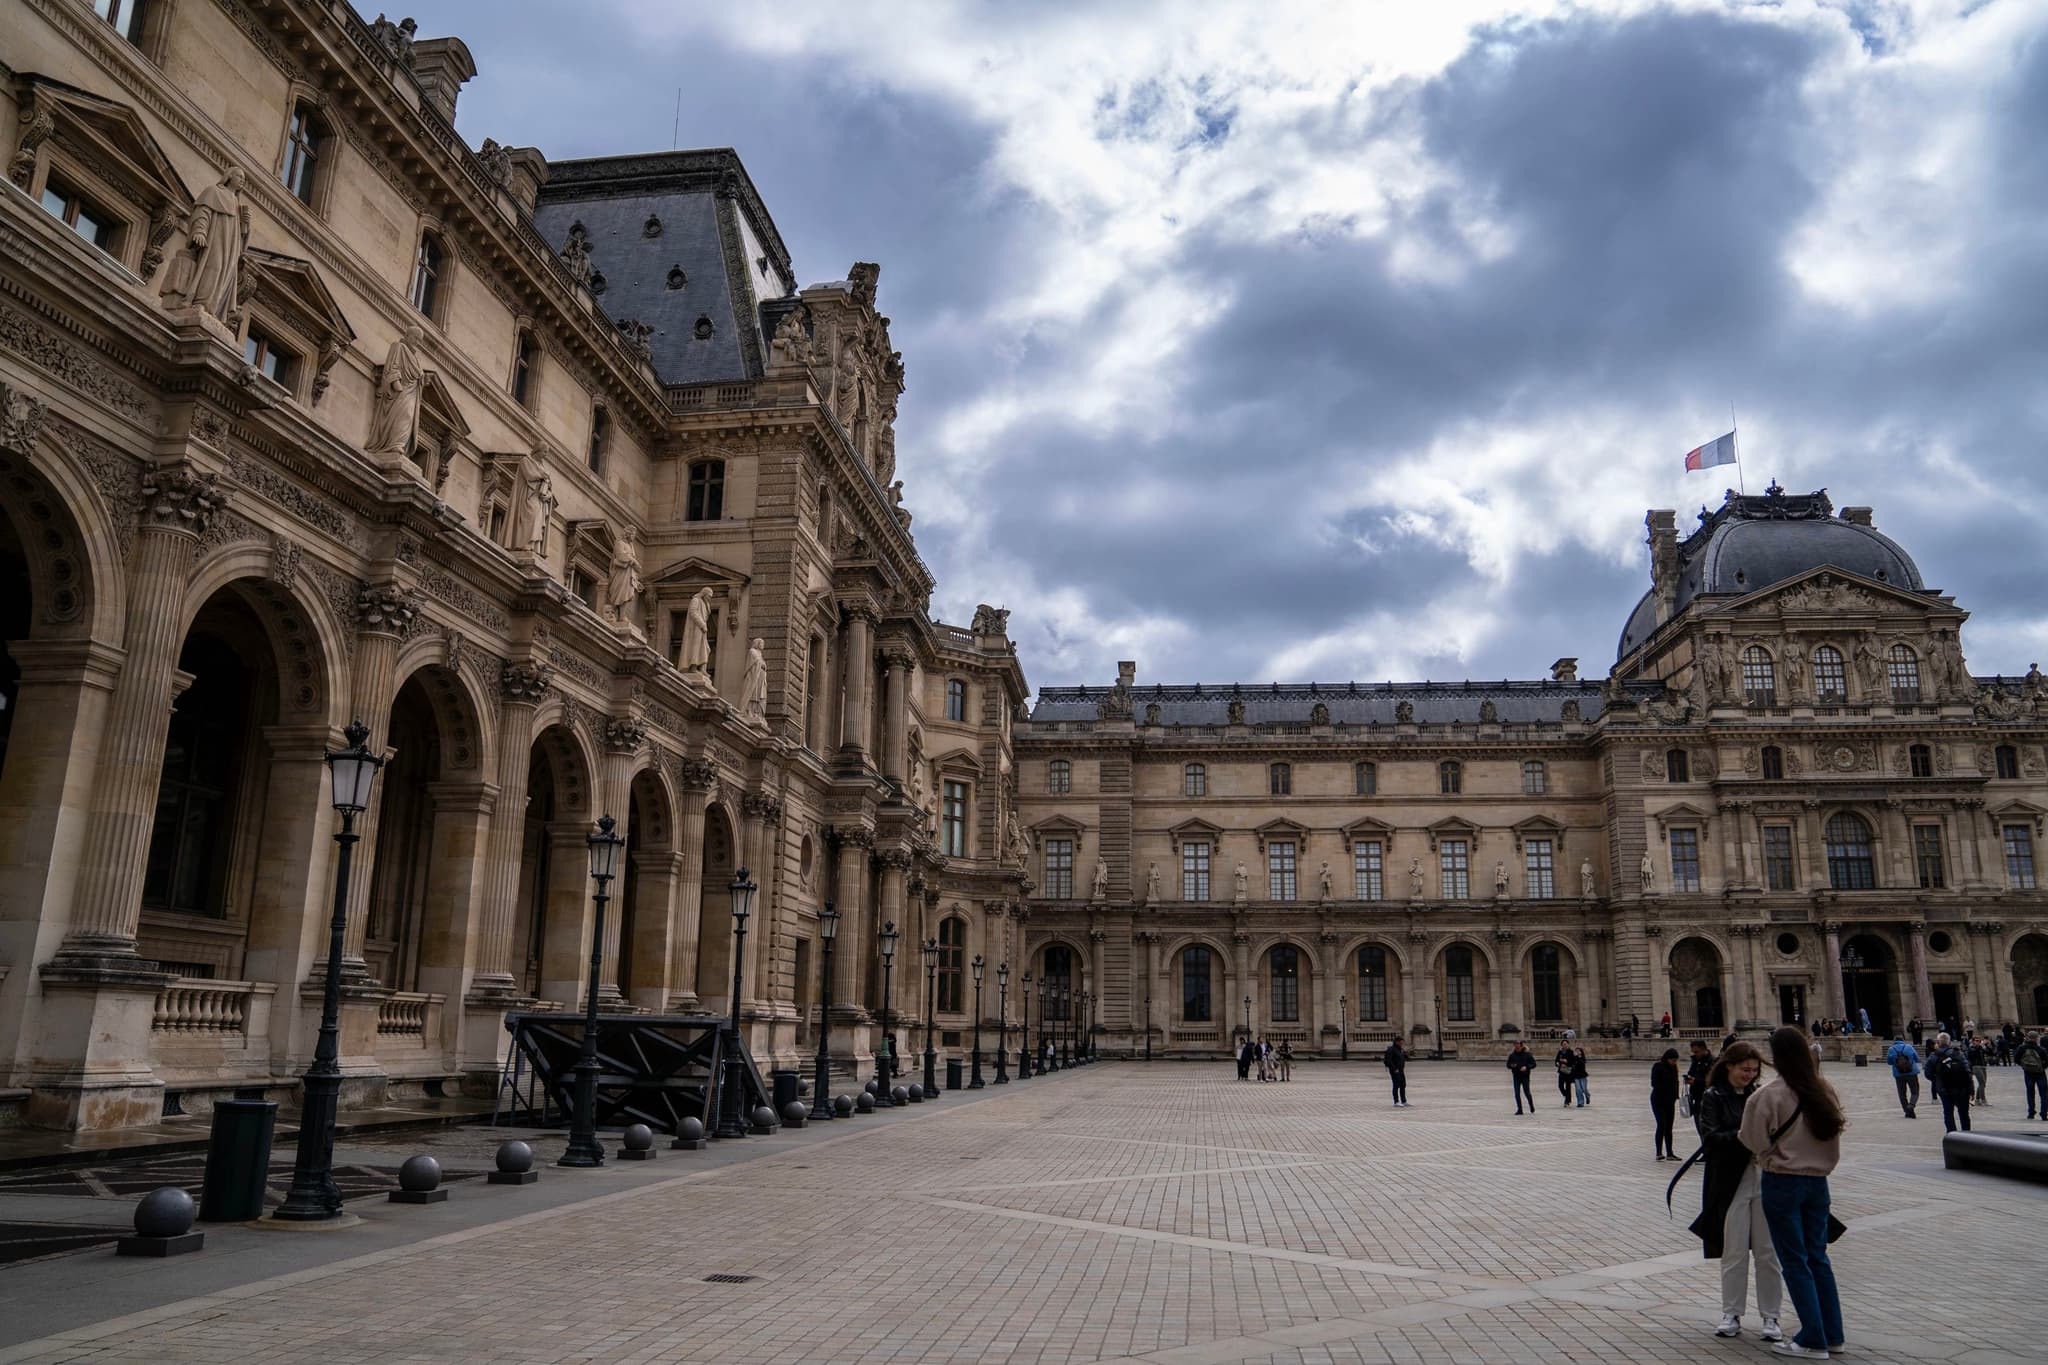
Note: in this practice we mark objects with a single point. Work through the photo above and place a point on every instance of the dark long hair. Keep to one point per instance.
(1793, 1058)
(1735, 1053)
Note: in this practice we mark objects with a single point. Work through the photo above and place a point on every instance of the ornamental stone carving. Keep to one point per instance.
(525, 683)
(624, 734)
(696, 774)
(178, 498)
(1404, 713)
(21, 418)
(386, 609)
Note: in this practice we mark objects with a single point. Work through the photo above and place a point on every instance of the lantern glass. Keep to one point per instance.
(888, 937)
(604, 850)
(1003, 976)
(352, 770)
(828, 923)
(977, 969)
(743, 890)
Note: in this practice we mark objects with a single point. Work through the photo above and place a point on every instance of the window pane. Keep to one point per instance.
(1458, 989)
(1455, 859)
(1685, 860)
(1366, 779)
(1534, 779)
(1059, 869)
(1759, 677)
(1677, 767)
(1539, 871)
(1450, 779)
(1778, 874)
(2019, 856)
(1773, 763)
(707, 491)
(1194, 872)
(954, 817)
(1902, 669)
(1850, 867)
(1059, 777)
(1195, 970)
(1282, 779)
(1547, 979)
(1286, 973)
(1280, 871)
(1368, 871)
(1372, 984)
(1927, 855)
(1195, 780)
(1830, 683)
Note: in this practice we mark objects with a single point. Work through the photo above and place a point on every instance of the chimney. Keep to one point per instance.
(1565, 670)
(1663, 526)
(441, 65)
(1856, 516)
(1126, 674)
(529, 173)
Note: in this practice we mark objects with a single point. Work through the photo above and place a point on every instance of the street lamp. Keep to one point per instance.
(885, 1055)
(731, 1123)
(1024, 1057)
(1066, 1025)
(1148, 1022)
(583, 1149)
(1247, 1018)
(821, 1072)
(931, 1000)
(1002, 1023)
(1047, 1034)
(312, 1197)
(975, 1082)
(1437, 1052)
(1343, 1028)
(1094, 1003)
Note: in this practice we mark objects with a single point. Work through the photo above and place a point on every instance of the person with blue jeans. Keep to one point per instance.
(1794, 1125)
(1904, 1060)
(2032, 1056)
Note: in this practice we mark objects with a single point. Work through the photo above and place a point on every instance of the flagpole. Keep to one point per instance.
(1735, 439)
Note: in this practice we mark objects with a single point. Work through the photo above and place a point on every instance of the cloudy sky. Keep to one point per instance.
(1285, 341)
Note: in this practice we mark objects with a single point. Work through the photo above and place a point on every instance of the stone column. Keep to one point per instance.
(1329, 986)
(623, 737)
(2004, 992)
(763, 847)
(752, 839)
(850, 953)
(1923, 989)
(1589, 985)
(522, 685)
(1506, 988)
(696, 777)
(655, 873)
(383, 611)
(859, 663)
(1661, 1002)
(1831, 969)
(896, 715)
(1146, 1006)
(565, 952)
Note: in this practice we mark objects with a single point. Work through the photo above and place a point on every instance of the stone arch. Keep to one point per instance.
(467, 717)
(714, 915)
(1551, 1004)
(1696, 969)
(73, 558)
(1469, 1003)
(554, 881)
(1222, 976)
(2029, 966)
(1873, 984)
(311, 647)
(1361, 1010)
(646, 888)
(1268, 991)
(1078, 977)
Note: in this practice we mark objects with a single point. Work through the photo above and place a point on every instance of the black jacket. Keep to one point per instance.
(1696, 1076)
(1663, 1083)
(1724, 1158)
(1395, 1057)
(1522, 1063)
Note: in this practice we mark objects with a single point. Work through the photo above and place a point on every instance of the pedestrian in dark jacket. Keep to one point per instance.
(2032, 1056)
(1731, 1224)
(1563, 1062)
(1395, 1059)
(1696, 1077)
(1948, 1075)
(1980, 1066)
(1521, 1062)
(1244, 1061)
(1580, 1077)
(1664, 1100)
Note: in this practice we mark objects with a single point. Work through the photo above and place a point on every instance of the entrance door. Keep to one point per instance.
(1792, 1003)
(1869, 991)
(1948, 1005)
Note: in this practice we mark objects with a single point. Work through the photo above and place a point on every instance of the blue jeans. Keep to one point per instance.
(1522, 1090)
(1796, 1207)
(1585, 1088)
(1909, 1091)
(1954, 1108)
(2037, 1084)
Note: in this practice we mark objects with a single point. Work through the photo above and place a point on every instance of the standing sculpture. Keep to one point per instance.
(1586, 884)
(395, 405)
(205, 275)
(754, 683)
(694, 655)
(1648, 870)
(624, 588)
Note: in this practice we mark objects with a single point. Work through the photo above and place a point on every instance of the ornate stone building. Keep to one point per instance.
(1789, 798)
(551, 473)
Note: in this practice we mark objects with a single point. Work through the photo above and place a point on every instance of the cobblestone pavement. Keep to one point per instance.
(1166, 1213)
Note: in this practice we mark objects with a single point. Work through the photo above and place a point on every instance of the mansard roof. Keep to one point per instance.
(1348, 703)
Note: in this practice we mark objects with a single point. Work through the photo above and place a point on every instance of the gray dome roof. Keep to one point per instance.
(1753, 542)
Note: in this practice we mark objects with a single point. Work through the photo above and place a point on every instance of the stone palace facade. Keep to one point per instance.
(553, 474)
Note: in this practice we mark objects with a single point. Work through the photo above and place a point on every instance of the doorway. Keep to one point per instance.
(1948, 1005)
(1792, 1003)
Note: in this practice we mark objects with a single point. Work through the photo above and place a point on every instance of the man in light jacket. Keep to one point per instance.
(1904, 1060)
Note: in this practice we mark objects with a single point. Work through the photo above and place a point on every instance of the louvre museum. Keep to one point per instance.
(560, 478)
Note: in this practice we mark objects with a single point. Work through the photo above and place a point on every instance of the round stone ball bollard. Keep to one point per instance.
(763, 1119)
(689, 1136)
(163, 1225)
(864, 1103)
(899, 1096)
(842, 1105)
(871, 1088)
(636, 1143)
(915, 1092)
(514, 1161)
(419, 1182)
(795, 1114)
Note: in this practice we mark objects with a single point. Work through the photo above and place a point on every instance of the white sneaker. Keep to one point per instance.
(1731, 1326)
(1793, 1348)
(1772, 1332)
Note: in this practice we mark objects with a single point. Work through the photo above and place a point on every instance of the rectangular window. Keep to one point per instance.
(1368, 865)
(1372, 984)
(1539, 871)
(2019, 857)
(124, 15)
(268, 358)
(1685, 860)
(1455, 858)
(1778, 874)
(79, 214)
(1194, 872)
(953, 820)
(1280, 871)
(1059, 869)
(707, 491)
(1286, 986)
(1927, 856)
(956, 699)
(1460, 1004)
(1059, 777)
(1195, 973)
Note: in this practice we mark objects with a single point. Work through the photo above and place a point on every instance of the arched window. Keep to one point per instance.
(2007, 760)
(525, 369)
(1197, 975)
(1450, 777)
(1059, 980)
(1372, 983)
(1365, 779)
(429, 275)
(1850, 864)
(1286, 974)
(1280, 779)
(952, 956)
(1194, 780)
(600, 436)
(187, 869)
(1677, 767)
(706, 500)
(1059, 777)
(1459, 996)
(956, 699)
(1830, 681)
(1920, 760)
(1546, 979)
(305, 142)
(1759, 677)
(1772, 761)
(1535, 778)
(1902, 671)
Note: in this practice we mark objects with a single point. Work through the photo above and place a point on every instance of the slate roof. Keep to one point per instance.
(1435, 703)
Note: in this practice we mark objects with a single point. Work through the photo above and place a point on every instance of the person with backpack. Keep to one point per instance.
(1664, 1101)
(2032, 1056)
(1731, 1224)
(1980, 1065)
(1948, 1074)
(1395, 1059)
(1244, 1060)
(1794, 1126)
(1521, 1062)
(1904, 1060)
(1286, 1061)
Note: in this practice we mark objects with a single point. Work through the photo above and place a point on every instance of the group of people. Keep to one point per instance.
(1271, 1063)
(1959, 1072)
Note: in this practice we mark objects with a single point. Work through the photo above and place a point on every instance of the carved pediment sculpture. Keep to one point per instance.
(290, 289)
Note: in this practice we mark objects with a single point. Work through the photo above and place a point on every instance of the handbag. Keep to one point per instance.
(1685, 1103)
(1836, 1227)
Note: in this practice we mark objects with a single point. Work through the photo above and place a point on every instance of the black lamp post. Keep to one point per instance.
(1148, 1023)
(1344, 1028)
(312, 1197)
(1025, 1060)
(583, 1148)
(885, 1055)
(1247, 1018)
(732, 1122)
(1066, 1021)
(821, 1072)
(931, 1003)
(1436, 1053)
(1092, 1004)
(1071, 1002)
(1047, 1035)
(1002, 1023)
(975, 1082)
(1083, 1040)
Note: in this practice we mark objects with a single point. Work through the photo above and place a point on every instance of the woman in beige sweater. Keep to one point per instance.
(1794, 1125)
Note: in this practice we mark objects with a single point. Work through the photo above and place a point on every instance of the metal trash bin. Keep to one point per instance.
(237, 1160)
(786, 1085)
(1863, 1059)
(953, 1081)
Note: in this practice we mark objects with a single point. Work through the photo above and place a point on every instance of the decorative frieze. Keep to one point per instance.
(68, 360)
(386, 609)
(177, 497)
(525, 683)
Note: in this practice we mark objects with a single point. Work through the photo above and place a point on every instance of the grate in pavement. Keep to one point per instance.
(730, 1279)
(30, 1241)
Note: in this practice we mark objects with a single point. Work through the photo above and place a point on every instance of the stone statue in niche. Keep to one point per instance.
(1236, 712)
(536, 512)
(576, 255)
(792, 345)
(1647, 867)
(1488, 712)
(497, 162)
(1569, 712)
(1587, 888)
(395, 405)
(754, 682)
(624, 588)
(206, 273)
(1952, 676)
(1404, 713)
(1870, 668)
(1323, 886)
(1020, 847)
(1151, 883)
(1415, 879)
(694, 655)
(1101, 890)
(1500, 880)
(1241, 884)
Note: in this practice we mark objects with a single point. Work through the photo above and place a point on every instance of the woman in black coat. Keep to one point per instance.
(1731, 1225)
(1664, 1100)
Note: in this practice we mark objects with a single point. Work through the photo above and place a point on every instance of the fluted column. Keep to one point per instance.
(383, 611)
(623, 737)
(849, 961)
(696, 777)
(177, 503)
(896, 715)
(522, 685)
(1923, 989)
(858, 662)
(1831, 969)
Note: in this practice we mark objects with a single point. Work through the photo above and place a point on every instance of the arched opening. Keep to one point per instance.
(1551, 987)
(1058, 974)
(1464, 994)
(1378, 998)
(554, 868)
(1695, 970)
(714, 915)
(1285, 988)
(405, 831)
(1870, 982)
(2030, 977)
(1198, 993)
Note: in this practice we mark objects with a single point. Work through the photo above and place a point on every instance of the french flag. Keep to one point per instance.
(1720, 450)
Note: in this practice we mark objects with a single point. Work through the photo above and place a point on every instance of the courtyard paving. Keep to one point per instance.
(1124, 1212)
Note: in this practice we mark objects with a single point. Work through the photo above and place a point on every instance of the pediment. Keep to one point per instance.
(1451, 827)
(1681, 813)
(1538, 827)
(438, 406)
(2019, 810)
(687, 575)
(1828, 591)
(1058, 827)
(957, 761)
(110, 138)
(1367, 828)
(1282, 828)
(1194, 831)
(292, 289)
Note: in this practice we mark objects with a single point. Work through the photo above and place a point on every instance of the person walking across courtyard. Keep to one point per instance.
(1731, 1224)
(1948, 1074)
(2032, 1056)
(1980, 1065)
(1563, 1062)
(1580, 1079)
(1696, 1070)
(1794, 1125)
(1244, 1061)
(1904, 1060)
(1395, 1059)
(1286, 1061)
(1664, 1083)
(1521, 1062)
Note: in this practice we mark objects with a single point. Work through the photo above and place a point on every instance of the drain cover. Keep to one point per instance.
(729, 1279)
